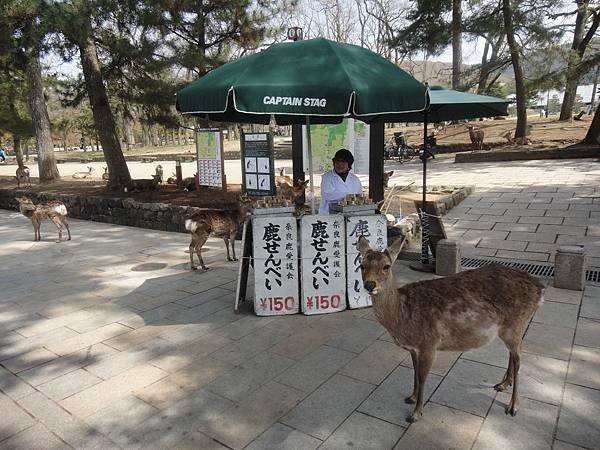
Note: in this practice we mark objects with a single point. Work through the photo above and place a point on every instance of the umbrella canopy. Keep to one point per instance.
(446, 104)
(317, 79)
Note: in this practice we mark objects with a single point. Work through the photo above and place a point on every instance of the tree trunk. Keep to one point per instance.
(593, 134)
(593, 99)
(128, 126)
(521, 93)
(41, 122)
(456, 43)
(18, 151)
(575, 54)
(103, 119)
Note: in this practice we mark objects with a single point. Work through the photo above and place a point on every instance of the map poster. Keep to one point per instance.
(275, 241)
(323, 264)
(374, 228)
(209, 155)
(258, 169)
(350, 134)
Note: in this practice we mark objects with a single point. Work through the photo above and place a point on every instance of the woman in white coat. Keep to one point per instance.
(340, 181)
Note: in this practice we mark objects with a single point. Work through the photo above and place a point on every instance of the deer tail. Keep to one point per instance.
(191, 225)
(61, 209)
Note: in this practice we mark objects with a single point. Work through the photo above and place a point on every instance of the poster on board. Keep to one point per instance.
(275, 242)
(374, 228)
(323, 264)
(350, 134)
(209, 154)
(258, 170)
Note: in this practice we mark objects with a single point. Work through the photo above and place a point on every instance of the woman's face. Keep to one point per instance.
(341, 166)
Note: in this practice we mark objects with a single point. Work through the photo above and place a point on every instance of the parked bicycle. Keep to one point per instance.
(397, 147)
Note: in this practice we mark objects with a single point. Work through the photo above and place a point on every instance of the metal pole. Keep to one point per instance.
(424, 219)
(310, 166)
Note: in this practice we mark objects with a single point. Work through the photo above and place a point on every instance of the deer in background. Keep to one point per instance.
(219, 223)
(144, 184)
(458, 313)
(172, 179)
(22, 176)
(79, 175)
(476, 136)
(386, 178)
(292, 193)
(105, 175)
(283, 179)
(53, 210)
(158, 173)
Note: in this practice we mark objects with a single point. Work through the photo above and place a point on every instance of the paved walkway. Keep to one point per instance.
(109, 341)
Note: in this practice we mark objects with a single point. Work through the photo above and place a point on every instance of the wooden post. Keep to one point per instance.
(297, 159)
(376, 138)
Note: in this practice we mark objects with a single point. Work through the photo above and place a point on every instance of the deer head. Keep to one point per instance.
(376, 267)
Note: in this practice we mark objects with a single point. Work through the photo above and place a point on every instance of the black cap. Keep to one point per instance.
(344, 155)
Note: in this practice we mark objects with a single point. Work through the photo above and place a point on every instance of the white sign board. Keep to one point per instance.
(323, 264)
(374, 228)
(350, 134)
(210, 157)
(275, 242)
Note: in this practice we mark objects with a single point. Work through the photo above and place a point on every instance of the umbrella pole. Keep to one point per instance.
(310, 166)
(424, 218)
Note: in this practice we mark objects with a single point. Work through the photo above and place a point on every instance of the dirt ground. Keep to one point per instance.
(545, 133)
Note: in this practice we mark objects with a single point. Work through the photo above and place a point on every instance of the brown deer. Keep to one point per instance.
(105, 175)
(22, 176)
(459, 312)
(476, 136)
(158, 173)
(144, 184)
(292, 193)
(219, 223)
(54, 210)
(79, 175)
(386, 178)
(283, 179)
(172, 179)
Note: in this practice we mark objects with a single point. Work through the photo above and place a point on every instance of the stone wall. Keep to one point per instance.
(126, 211)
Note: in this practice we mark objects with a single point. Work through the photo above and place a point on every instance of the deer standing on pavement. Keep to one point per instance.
(459, 312)
(54, 210)
(22, 175)
(219, 223)
(79, 175)
(476, 136)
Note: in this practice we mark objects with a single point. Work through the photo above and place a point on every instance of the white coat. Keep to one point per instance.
(333, 188)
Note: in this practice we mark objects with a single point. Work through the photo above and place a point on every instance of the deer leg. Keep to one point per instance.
(192, 247)
(199, 244)
(232, 240)
(56, 221)
(226, 240)
(65, 222)
(415, 362)
(425, 361)
(507, 380)
(514, 400)
(36, 231)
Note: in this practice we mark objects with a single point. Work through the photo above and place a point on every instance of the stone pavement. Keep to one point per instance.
(110, 341)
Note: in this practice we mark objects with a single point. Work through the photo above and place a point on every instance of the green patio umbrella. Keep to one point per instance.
(323, 80)
(447, 104)
(313, 81)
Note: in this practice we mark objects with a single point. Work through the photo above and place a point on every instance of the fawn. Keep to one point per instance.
(386, 178)
(22, 175)
(459, 312)
(220, 223)
(292, 193)
(105, 175)
(283, 179)
(476, 136)
(83, 174)
(54, 210)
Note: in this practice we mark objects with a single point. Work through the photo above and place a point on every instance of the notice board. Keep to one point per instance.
(258, 170)
(209, 154)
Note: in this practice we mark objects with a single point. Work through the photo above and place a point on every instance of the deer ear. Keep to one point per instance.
(394, 250)
(363, 245)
